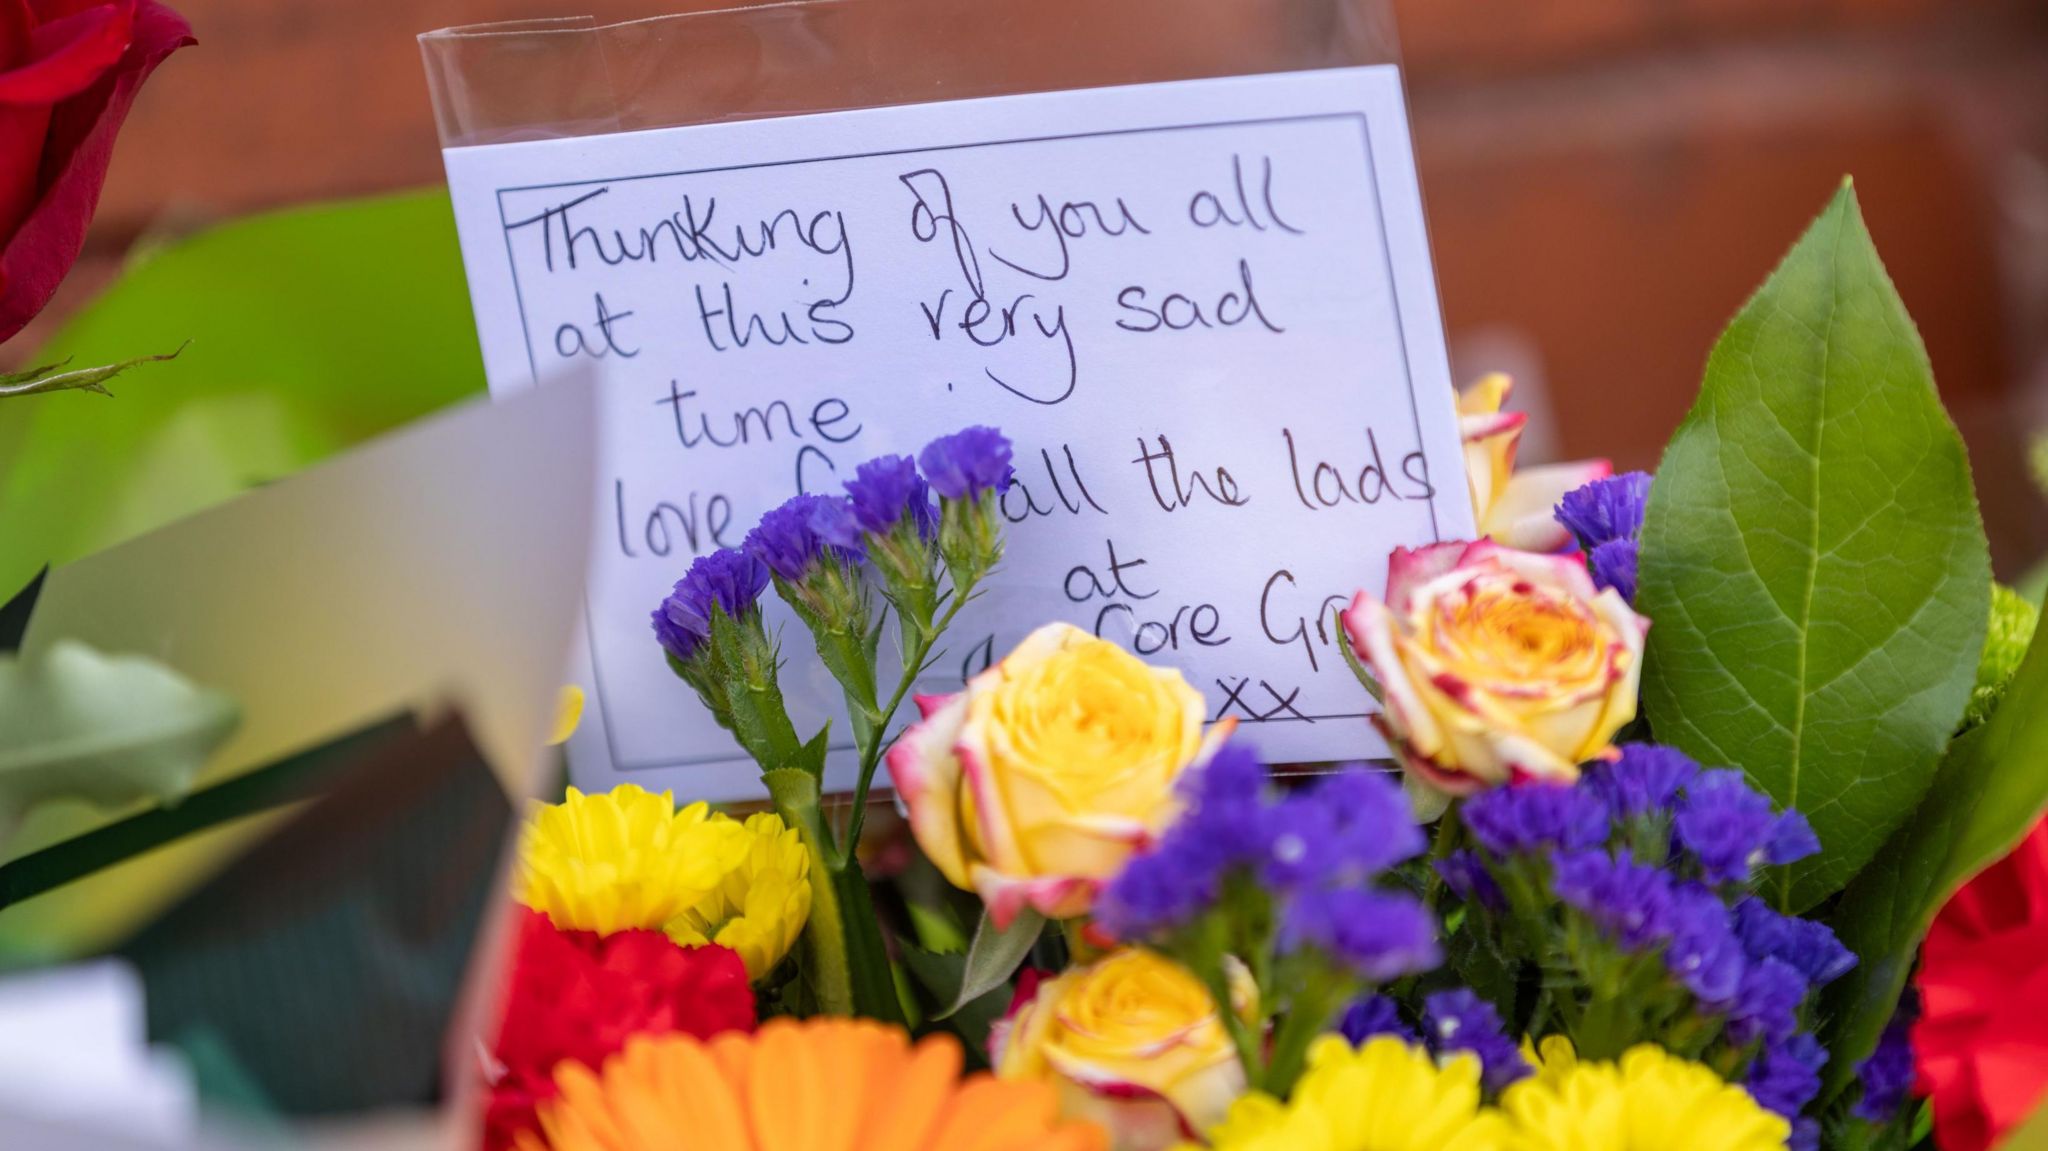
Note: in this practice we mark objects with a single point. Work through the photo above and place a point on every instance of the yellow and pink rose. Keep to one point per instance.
(1035, 784)
(1493, 664)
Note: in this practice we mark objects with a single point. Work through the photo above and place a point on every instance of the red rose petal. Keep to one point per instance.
(67, 55)
(36, 253)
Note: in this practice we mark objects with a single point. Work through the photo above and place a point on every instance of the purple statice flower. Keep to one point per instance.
(968, 463)
(882, 490)
(788, 542)
(1346, 829)
(1766, 1002)
(1729, 828)
(1647, 778)
(1605, 510)
(1459, 1020)
(1160, 890)
(1528, 817)
(1792, 839)
(726, 581)
(1786, 1074)
(1805, 1134)
(1226, 825)
(1704, 953)
(1370, 1016)
(1807, 946)
(1887, 1076)
(1378, 935)
(832, 519)
(1630, 901)
(1466, 875)
(1614, 564)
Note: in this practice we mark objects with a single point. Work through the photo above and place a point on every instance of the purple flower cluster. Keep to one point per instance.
(1536, 818)
(788, 541)
(1630, 901)
(1650, 850)
(1315, 853)
(1374, 1015)
(1888, 1074)
(1459, 1020)
(968, 464)
(1729, 829)
(724, 581)
(881, 492)
(1784, 1078)
(1606, 516)
(1644, 780)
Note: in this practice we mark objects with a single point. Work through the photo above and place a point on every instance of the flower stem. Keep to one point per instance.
(878, 739)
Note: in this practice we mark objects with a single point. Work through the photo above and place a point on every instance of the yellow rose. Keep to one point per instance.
(1494, 664)
(1514, 508)
(1133, 1043)
(1036, 783)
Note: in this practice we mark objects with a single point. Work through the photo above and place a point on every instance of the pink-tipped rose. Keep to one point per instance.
(1036, 783)
(1493, 664)
(1514, 507)
(1133, 1043)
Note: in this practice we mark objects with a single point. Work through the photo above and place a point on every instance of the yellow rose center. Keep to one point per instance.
(1090, 719)
(1133, 999)
(1504, 633)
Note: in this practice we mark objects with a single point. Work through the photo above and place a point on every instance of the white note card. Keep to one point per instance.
(1203, 311)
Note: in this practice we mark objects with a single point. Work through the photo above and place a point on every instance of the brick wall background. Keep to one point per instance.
(1606, 179)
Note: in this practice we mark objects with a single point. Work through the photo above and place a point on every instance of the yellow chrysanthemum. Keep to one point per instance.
(624, 859)
(1383, 1096)
(821, 1085)
(760, 907)
(1650, 1101)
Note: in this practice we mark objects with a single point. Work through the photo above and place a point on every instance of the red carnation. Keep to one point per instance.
(1982, 1043)
(577, 995)
(69, 69)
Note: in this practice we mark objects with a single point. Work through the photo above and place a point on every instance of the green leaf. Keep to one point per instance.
(941, 974)
(1992, 789)
(994, 956)
(1813, 563)
(867, 957)
(48, 378)
(311, 330)
(107, 730)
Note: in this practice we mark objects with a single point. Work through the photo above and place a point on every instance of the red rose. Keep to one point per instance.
(577, 995)
(69, 69)
(1981, 1045)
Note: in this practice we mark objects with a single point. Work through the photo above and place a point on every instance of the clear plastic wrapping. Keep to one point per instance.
(548, 79)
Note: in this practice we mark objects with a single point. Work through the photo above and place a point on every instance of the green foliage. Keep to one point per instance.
(941, 974)
(2013, 621)
(108, 730)
(1812, 557)
(994, 956)
(1992, 788)
(310, 329)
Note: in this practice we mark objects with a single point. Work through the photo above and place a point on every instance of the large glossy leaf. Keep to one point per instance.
(1813, 561)
(310, 330)
(108, 730)
(1992, 789)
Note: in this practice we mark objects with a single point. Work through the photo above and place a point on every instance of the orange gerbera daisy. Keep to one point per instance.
(822, 1085)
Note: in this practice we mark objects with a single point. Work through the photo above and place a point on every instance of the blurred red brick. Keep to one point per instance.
(1606, 179)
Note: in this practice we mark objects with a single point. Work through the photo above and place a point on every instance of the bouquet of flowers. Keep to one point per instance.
(1686, 770)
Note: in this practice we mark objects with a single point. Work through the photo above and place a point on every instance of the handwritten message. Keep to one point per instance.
(1203, 311)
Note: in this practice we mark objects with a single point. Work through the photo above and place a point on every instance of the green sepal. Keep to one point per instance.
(52, 378)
